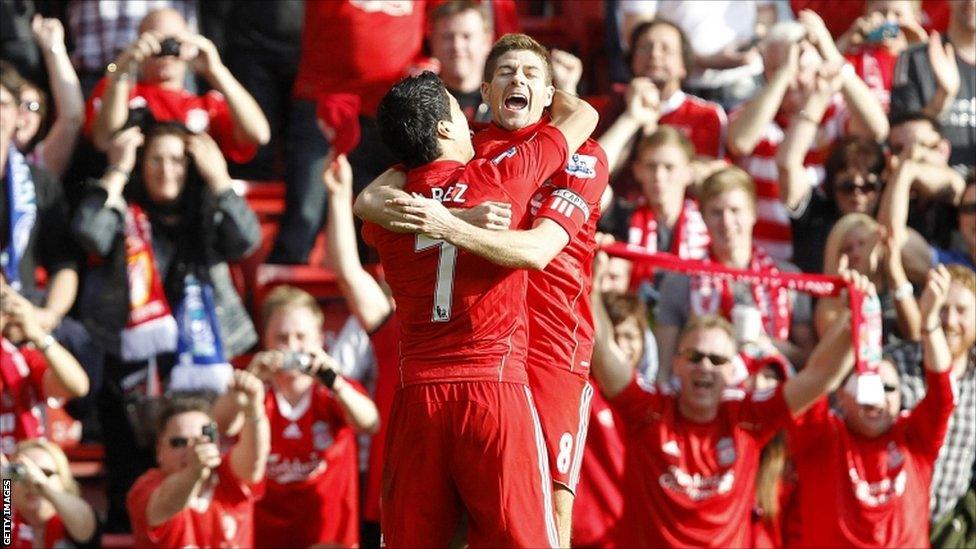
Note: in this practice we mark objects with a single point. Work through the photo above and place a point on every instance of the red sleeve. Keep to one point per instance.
(169, 533)
(926, 424)
(369, 233)
(38, 366)
(578, 189)
(522, 168)
(804, 434)
(638, 403)
(222, 129)
(93, 105)
(233, 490)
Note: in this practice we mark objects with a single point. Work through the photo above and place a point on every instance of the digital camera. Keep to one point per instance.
(169, 47)
(884, 32)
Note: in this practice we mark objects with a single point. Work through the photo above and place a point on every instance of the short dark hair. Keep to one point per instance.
(687, 54)
(904, 117)
(855, 151)
(11, 79)
(408, 115)
(180, 403)
(517, 42)
(625, 306)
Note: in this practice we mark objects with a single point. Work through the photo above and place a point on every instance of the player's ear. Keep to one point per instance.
(485, 86)
(444, 129)
(550, 91)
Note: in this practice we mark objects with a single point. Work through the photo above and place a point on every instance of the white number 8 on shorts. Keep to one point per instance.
(565, 457)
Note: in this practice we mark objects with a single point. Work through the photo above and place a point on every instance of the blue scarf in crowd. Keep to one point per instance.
(200, 364)
(22, 201)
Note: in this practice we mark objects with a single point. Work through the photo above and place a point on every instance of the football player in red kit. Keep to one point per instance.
(464, 396)
(557, 244)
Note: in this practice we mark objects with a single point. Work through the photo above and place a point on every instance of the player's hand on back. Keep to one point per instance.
(423, 215)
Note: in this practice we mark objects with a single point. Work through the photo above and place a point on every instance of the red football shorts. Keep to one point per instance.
(563, 400)
(466, 446)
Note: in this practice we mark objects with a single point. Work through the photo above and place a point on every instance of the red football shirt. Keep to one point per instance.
(358, 46)
(876, 66)
(200, 113)
(312, 492)
(861, 492)
(21, 394)
(22, 536)
(386, 348)
(560, 318)
(226, 522)
(692, 484)
(599, 501)
(462, 318)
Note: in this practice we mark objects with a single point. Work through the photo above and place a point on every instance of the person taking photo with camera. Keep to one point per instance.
(312, 494)
(48, 510)
(151, 74)
(197, 497)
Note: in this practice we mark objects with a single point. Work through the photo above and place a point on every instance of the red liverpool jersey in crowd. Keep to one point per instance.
(386, 350)
(599, 502)
(199, 113)
(463, 318)
(358, 46)
(692, 484)
(560, 318)
(21, 394)
(312, 492)
(772, 231)
(876, 66)
(228, 521)
(868, 492)
(22, 536)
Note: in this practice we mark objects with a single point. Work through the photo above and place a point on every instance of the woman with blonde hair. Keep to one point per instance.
(48, 508)
(862, 243)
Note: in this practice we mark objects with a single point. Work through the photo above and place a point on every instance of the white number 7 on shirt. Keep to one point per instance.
(444, 289)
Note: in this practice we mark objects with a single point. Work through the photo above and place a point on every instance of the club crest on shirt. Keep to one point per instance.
(321, 439)
(671, 448)
(582, 166)
(725, 450)
(895, 457)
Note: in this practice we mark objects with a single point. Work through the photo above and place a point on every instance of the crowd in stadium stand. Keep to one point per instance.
(730, 245)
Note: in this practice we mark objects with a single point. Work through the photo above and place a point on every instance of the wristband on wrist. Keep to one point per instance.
(904, 292)
(46, 343)
(328, 378)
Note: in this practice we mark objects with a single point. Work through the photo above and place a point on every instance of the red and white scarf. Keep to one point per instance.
(23, 400)
(865, 310)
(710, 294)
(151, 328)
(690, 239)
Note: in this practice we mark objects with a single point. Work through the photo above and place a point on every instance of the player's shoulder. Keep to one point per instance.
(698, 105)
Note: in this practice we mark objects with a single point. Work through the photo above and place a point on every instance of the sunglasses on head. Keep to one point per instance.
(849, 187)
(696, 356)
(31, 106)
(967, 208)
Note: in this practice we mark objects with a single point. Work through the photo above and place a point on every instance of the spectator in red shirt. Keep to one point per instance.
(150, 74)
(793, 54)
(460, 39)
(196, 497)
(692, 453)
(871, 466)
(311, 494)
(659, 60)
(875, 39)
(32, 373)
(48, 509)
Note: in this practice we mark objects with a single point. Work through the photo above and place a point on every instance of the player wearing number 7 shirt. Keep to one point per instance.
(464, 433)
(557, 245)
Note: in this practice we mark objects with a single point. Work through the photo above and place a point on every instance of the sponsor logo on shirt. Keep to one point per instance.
(696, 487)
(582, 166)
(284, 471)
(878, 493)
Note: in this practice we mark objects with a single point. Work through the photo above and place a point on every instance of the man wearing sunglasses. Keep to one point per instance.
(864, 473)
(196, 497)
(693, 451)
